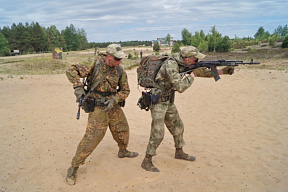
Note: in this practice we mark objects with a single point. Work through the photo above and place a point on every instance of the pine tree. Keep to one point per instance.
(285, 42)
(4, 46)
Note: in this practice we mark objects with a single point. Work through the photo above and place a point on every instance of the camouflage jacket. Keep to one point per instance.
(110, 83)
(168, 77)
(199, 72)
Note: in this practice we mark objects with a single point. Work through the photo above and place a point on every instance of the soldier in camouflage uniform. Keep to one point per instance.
(164, 111)
(109, 75)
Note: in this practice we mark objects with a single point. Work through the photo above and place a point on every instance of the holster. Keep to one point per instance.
(88, 105)
(144, 101)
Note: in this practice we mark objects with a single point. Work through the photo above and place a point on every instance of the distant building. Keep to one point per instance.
(162, 42)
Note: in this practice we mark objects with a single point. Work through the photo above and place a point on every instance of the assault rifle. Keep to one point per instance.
(213, 64)
(90, 102)
(81, 100)
(85, 101)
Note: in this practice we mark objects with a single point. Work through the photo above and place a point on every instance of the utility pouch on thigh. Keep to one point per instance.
(155, 98)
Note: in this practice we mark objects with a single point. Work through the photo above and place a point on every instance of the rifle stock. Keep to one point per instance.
(213, 66)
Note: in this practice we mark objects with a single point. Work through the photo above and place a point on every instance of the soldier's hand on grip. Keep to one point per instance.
(110, 104)
(228, 70)
(79, 91)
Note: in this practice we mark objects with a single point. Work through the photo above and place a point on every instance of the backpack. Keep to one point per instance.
(148, 69)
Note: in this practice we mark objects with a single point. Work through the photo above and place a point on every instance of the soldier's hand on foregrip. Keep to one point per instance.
(110, 104)
(228, 70)
(79, 91)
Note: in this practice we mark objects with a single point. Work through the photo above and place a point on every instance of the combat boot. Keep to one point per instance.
(71, 175)
(148, 165)
(125, 153)
(179, 154)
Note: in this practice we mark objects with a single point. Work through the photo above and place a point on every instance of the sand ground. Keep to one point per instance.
(237, 128)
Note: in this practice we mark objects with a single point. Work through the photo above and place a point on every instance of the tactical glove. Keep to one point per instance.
(79, 91)
(228, 70)
(110, 104)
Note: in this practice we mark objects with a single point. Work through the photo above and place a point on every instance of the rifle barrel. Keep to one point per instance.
(221, 62)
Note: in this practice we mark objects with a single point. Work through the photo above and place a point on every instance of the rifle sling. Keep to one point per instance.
(95, 85)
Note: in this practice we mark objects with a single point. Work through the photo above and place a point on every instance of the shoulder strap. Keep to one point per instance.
(96, 70)
(120, 71)
(94, 86)
(95, 73)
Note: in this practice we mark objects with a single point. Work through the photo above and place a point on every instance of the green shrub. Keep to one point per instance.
(130, 56)
(175, 48)
(156, 47)
(285, 42)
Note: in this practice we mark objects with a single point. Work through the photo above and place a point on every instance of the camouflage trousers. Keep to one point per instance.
(165, 113)
(98, 121)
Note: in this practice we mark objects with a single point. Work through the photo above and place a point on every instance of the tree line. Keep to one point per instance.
(33, 38)
(215, 42)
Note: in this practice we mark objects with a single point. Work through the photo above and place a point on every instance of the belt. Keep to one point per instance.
(167, 97)
(101, 101)
(104, 94)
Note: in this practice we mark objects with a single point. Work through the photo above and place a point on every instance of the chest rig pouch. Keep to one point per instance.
(91, 102)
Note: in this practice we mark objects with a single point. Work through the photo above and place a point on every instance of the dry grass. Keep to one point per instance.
(31, 66)
(273, 59)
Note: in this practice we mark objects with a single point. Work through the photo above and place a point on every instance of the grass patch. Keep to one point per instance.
(273, 59)
(44, 64)
(39, 65)
(32, 66)
(130, 64)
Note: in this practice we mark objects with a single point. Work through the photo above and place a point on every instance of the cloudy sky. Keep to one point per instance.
(127, 20)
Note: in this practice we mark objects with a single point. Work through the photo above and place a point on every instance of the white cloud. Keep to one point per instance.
(119, 20)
